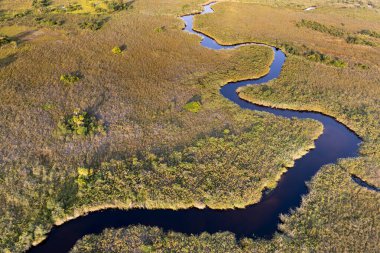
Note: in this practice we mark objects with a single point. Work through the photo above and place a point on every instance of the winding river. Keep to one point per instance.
(258, 220)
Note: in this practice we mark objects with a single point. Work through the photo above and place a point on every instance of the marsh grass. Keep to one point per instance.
(308, 229)
(151, 142)
(141, 99)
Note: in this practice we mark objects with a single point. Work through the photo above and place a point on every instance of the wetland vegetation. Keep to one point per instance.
(156, 133)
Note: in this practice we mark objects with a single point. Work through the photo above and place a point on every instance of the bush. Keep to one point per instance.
(69, 78)
(336, 62)
(80, 123)
(117, 50)
(370, 33)
(193, 106)
(334, 31)
(92, 23)
(118, 6)
(22, 14)
(361, 66)
(73, 7)
(83, 175)
(49, 21)
(160, 29)
(290, 49)
(4, 40)
(326, 59)
(356, 40)
(40, 3)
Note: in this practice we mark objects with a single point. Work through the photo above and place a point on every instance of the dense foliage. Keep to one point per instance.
(80, 123)
(4, 40)
(70, 78)
(116, 50)
(92, 23)
(40, 3)
(119, 5)
(370, 33)
(49, 21)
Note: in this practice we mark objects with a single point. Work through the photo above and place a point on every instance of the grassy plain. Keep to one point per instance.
(350, 93)
(140, 96)
(337, 215)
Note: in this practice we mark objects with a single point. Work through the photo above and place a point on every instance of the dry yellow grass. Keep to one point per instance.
(243, 22)
(331, 219)
(140, 96)
(350, 94)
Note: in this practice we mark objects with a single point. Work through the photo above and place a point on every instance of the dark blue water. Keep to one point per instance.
(258, 220)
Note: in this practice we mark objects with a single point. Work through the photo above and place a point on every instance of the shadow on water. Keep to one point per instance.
(259, 220)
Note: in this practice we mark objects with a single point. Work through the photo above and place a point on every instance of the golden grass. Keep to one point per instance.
(336, 216)
(140, 96)
(350, 94)
(274, 26)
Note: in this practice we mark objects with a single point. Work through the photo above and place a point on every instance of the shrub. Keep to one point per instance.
(92, 23)
(40, 3)
(22, 14)
(193, 106)
(80, 123)
(290, 49)
(47, 107)
(336, 62)
(332, 30)
(118, 6)
(361, 66)
(326, 59)
(73, 7)
(4, 40)
(160, 29)
(315, 56)
(370, 33)
(266, 90)
(69, 78)
(117, 50)
(49, 21)
(356, 40)
(83, 175)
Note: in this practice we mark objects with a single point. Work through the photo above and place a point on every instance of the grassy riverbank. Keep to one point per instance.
(321, 224)
(349, 93)
(140, 145)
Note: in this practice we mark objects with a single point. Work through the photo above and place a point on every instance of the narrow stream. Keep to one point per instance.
(258, 220)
